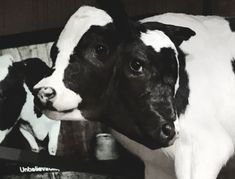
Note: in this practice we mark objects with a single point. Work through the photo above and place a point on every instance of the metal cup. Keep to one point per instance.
(106, 147)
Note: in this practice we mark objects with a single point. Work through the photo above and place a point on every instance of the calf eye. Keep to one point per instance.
(136, 66)
(101, 50)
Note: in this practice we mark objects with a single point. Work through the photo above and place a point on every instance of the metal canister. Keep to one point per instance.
(106, 147)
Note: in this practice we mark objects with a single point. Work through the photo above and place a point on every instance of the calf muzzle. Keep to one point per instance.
(45, 94)
(161, 136)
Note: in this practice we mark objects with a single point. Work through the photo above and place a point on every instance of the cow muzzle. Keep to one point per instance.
(163, 136)
(46, 94)
(53, 95)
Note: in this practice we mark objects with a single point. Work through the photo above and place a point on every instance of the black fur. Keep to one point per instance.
(13, 96)
(143, 103)
(15, 139)
(89, 73)
(231, 22)
(110, 89)
(35, 70)
(176, 33)
(37, 111)
(233, 65)
(117, 11)
(53, 53)
(182, 94)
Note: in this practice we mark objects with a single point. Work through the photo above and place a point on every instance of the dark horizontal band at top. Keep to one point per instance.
(29, 38)
(50, 35)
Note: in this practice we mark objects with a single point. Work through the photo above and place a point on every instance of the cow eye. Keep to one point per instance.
(136, 66)
(101, 50)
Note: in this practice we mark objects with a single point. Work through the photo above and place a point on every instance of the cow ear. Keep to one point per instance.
(116, 10)
(35, 70)
(19, 69)
(177, 34)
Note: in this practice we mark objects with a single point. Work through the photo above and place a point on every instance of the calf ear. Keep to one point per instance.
(116, 10)
(19, 69)
(35, 70)
(177, 34)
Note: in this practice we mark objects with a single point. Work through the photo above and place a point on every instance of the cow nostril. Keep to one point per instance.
(167, 129)
(46, 94)
(49, 92)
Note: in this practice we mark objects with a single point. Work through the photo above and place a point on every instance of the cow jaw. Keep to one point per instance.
(74, 115)
(65, 99)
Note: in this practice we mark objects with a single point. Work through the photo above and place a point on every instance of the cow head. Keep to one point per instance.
(111, 69)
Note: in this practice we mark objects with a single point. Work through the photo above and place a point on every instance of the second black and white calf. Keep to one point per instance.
(17, 102)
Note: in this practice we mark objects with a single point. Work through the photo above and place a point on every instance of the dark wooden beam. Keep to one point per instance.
(207, 7)
(49, 35)
(29, 38)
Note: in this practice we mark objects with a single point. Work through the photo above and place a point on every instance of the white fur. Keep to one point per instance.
(79, 23)
(157, 39)
(64, 96)
(41, 126)
(207, 133)
(30, 138)
(5, 62)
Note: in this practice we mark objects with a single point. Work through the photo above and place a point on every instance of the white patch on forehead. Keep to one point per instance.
(78, 24)
(5, 62)
(158, 40)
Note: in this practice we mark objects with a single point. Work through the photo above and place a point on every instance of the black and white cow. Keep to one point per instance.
(66, 92)
(17, 102)
(149, 81)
